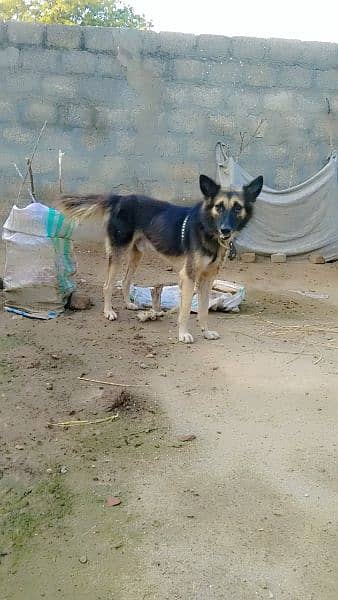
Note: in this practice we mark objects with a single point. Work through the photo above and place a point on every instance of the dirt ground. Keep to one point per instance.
(247, 510)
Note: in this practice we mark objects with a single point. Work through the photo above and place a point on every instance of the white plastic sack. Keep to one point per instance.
(225, 297)
(40, 266)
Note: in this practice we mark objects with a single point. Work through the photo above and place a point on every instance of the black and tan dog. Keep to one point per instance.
(194, 239)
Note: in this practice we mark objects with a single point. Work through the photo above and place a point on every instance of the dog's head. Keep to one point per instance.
(227, 211)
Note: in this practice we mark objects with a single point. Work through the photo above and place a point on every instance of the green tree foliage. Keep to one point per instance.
(107, 13)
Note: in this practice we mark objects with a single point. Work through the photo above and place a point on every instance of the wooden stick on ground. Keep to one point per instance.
(110, 382)
(85, 422)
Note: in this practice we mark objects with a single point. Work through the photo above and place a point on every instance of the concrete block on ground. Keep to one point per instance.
(279, 257)
(317, 259)
(248, 257)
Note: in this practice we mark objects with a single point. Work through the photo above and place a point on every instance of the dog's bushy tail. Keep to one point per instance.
(83, 207)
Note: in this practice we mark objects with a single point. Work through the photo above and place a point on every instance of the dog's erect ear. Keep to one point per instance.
(209, 187)
(253, 189)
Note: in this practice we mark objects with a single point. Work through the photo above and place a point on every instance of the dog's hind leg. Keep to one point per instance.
(204, 288)
(187, 286)
(113, 263)
(134, 258)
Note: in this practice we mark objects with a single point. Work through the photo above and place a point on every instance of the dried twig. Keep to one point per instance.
(318, 359)
(243, 135)
(302, 328)
(31, 159)
(21, 177)
(29, 166)
(110, 382)
(74, 423)
(297, 352)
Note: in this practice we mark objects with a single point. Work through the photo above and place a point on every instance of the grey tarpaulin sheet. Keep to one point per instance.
(299, 220)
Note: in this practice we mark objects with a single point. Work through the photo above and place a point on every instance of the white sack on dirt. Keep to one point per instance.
(39, 267)
(225, 296)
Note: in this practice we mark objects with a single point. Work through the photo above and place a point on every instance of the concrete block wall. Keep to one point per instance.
(141, 111)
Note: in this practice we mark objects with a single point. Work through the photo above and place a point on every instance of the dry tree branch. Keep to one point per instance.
(29, 166)
(21, 177)
(31, 159)
(243, 135)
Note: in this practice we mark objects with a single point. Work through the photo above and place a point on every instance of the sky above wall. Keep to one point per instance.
(293, 19)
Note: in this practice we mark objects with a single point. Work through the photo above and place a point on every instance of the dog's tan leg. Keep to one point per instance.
(133, 262)
(187, 286)
(108, 312)
(204, 289)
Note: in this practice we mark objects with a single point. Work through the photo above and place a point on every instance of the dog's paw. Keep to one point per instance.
(110, 315)
(132, 306)
(211, 335)
(186, 338)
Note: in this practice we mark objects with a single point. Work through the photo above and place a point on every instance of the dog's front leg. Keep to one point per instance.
(108, 311)
(204, 289)
(187, 286)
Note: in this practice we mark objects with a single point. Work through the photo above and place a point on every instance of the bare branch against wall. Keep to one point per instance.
(29, 166)
(22, 178)
(31, 159)
(247, 138)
